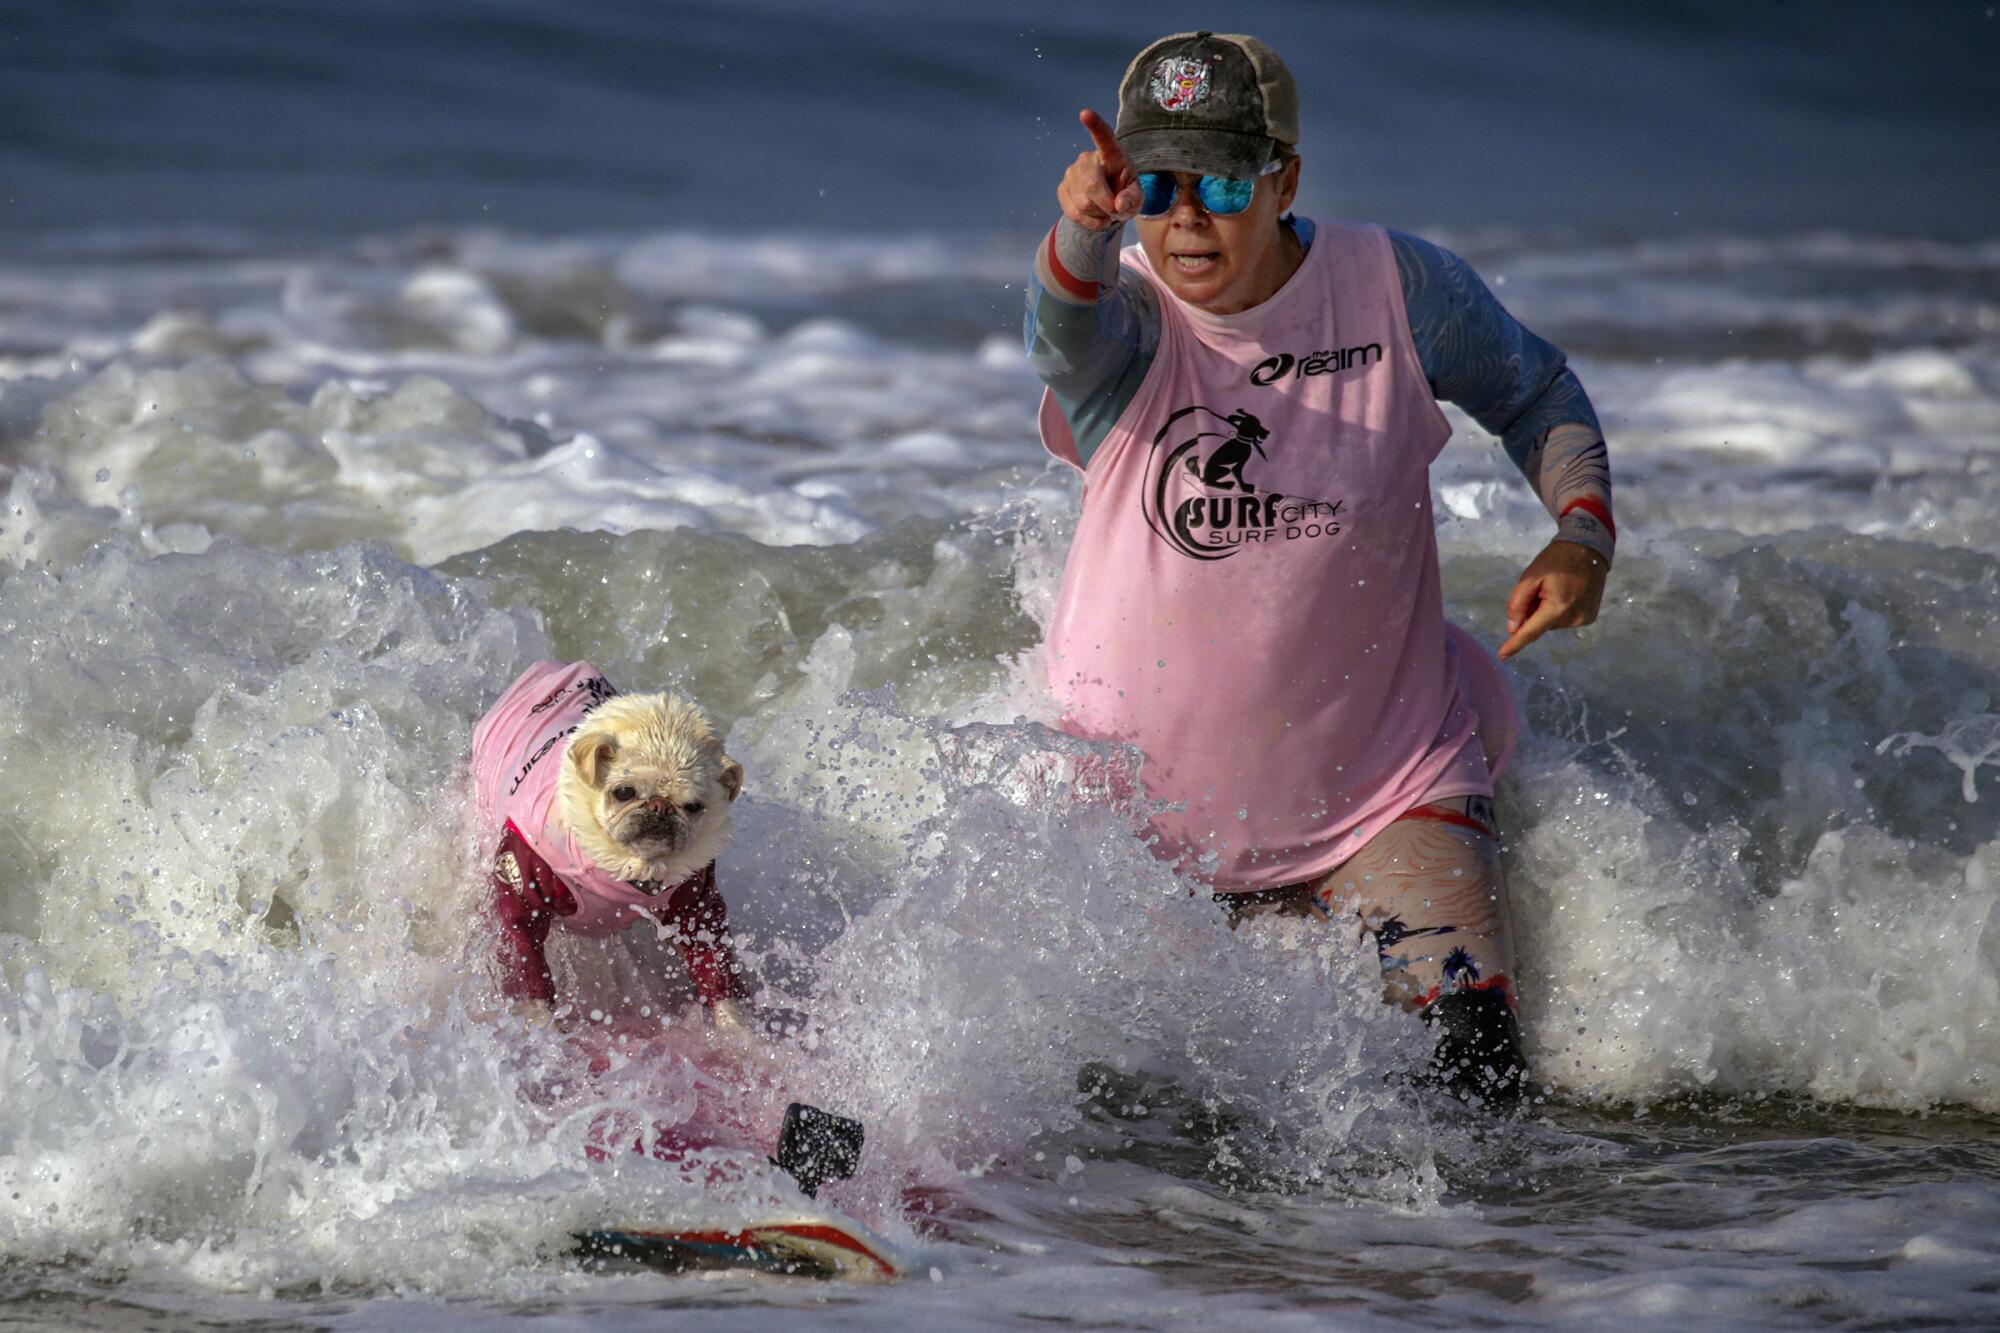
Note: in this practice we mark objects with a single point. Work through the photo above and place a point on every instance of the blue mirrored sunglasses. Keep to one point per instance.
(1221, 195)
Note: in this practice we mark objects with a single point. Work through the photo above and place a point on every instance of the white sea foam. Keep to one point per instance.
(277, 532)
(1971, 743)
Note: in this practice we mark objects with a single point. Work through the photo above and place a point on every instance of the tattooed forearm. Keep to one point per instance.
(1078, 265)
(1091, 328)
(1571, 472)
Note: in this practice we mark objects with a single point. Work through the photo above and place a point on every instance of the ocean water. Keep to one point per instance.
(278, 527)
(290, 497)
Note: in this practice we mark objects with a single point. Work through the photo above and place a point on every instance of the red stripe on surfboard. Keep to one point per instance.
(747, 1240)
(1593, 506)
(1075, 286)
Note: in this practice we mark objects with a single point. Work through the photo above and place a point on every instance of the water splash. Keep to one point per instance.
(1967, 742)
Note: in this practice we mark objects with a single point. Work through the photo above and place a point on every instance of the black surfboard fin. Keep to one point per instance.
(816, 1146)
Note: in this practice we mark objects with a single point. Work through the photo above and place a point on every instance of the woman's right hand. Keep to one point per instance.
(1100, 189)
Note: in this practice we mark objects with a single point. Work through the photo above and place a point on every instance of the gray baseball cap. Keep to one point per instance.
(1218, 104)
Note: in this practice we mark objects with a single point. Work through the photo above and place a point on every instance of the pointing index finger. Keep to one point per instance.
(1109, 155)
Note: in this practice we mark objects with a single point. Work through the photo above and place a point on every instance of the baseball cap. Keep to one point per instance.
(1217, 104)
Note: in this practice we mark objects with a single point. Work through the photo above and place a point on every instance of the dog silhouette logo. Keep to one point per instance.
(1200, 497)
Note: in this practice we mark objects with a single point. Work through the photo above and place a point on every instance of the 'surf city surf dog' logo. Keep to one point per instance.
(1180, 82)
(1202, 451)
(1334, 359)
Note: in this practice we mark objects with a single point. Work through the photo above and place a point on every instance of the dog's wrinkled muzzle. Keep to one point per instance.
(665, 826)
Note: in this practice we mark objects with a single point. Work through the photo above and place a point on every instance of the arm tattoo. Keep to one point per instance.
(1078, 265)
(1091, 329)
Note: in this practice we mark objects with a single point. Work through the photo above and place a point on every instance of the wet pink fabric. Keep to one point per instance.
(1252, 594)
(669, 1093)
(517, 752)
(529, 897)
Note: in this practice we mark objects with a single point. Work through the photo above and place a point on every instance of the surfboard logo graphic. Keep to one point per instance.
(1180, 83)
(1198, 499)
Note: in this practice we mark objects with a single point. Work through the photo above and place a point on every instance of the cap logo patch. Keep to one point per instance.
(1180, 83)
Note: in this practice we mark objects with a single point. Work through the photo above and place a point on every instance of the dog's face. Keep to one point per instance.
(650, 774)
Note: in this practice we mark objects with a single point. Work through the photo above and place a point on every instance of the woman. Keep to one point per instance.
(1252, 594)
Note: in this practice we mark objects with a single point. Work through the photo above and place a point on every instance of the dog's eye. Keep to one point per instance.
(625, 793)
(693, 807)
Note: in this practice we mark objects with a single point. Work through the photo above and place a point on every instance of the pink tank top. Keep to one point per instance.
(1252, 595)
(517, 751)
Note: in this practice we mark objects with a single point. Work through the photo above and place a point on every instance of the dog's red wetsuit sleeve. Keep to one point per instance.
(700, 924)
(527, 898)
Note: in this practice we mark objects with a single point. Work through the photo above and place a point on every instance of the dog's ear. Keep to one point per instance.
(592, 752)
(731, 777)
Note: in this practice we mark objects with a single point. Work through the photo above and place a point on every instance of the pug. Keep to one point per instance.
(607, 810)
(645, 788)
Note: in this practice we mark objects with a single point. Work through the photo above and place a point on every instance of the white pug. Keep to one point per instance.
(624, 822)
(611, 809)
(646, 788)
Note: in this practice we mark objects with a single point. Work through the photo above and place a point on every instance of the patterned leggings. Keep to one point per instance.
(1430, 892)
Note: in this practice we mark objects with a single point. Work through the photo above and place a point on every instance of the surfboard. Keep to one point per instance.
(814, 1147)
(828, 1247)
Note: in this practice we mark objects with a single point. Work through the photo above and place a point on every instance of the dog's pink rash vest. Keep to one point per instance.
(1252, 594)
(540, 875)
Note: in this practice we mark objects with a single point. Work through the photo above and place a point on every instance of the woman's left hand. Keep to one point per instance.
(1560, 589)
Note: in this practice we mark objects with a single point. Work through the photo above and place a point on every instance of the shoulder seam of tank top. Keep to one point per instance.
(1386, 252)
(1146, 381)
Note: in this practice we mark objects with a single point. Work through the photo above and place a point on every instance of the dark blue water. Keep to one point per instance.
(310, 116)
